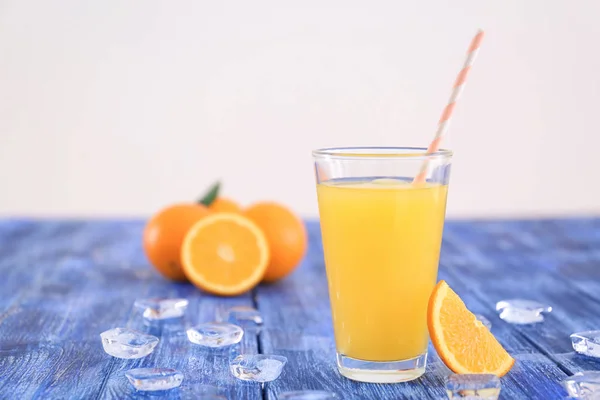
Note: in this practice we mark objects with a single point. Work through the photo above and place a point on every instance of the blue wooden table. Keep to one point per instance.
(64, 282)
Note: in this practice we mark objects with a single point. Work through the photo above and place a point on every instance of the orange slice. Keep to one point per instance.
(461, 341)
(225, 254)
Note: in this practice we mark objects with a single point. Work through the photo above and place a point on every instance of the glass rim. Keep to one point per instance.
(380, 152)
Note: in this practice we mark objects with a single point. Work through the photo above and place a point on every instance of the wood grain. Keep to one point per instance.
(64, 282)
(300, 328)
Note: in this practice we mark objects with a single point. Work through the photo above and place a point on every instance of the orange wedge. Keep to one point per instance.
(461, 341)
(225, 254)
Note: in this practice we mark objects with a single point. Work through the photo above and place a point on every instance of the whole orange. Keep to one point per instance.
(164, 233)
(224, 204)
(285, 234)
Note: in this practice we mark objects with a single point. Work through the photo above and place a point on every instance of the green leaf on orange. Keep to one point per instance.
(211, 194)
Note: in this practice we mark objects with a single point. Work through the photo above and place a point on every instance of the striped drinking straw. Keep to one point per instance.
(459, 85)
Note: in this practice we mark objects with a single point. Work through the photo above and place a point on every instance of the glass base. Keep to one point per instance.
(381, 371)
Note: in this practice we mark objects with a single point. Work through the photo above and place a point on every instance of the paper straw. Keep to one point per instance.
(444, 122)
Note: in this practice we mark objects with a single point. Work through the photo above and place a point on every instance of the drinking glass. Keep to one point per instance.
(381, 236)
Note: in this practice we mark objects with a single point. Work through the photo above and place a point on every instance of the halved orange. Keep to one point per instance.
(225, 254)
(463, 343)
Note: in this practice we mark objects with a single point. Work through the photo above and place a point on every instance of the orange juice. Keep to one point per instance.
(381, 241)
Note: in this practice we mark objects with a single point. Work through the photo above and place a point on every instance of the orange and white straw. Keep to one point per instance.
(444, 122)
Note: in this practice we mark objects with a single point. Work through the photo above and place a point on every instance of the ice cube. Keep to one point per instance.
(215, 334)
(128, 343)
(201, 392)
(486, 322)
(257, 367)
(473, 386)
(587, 343)
(244, 316)
(150, 379)
(162, 308)
(583, 385)
(520, 311)
(307, 395)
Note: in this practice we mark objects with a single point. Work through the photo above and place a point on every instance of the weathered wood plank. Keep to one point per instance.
(298, 325)
(545, 275)
(66, 282)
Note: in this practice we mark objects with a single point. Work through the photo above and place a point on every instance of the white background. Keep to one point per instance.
(120, 107)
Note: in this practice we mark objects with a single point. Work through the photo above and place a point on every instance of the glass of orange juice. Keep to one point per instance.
(381, 241)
